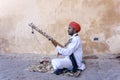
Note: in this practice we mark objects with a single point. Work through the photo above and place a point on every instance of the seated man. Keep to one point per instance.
(72, 52)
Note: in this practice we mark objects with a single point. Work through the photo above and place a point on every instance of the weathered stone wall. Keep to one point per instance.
(99, 20)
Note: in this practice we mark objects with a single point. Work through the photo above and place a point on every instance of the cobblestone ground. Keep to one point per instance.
(14, 67)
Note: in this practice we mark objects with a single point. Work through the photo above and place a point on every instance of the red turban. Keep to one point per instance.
(75, 25)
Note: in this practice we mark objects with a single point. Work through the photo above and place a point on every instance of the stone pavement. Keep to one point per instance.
(102, 67)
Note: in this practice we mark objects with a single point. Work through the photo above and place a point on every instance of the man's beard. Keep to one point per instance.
(70, 33)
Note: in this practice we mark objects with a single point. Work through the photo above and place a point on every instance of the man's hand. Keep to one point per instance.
(54, 43)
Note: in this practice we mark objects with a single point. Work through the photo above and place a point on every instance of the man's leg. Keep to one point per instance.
(59, 64)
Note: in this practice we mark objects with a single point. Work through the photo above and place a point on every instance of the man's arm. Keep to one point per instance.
(70, 48)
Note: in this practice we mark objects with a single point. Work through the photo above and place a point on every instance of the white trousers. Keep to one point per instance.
(64, 63)
(61, 63)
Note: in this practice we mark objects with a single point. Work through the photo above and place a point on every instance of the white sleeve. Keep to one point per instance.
(70, 48)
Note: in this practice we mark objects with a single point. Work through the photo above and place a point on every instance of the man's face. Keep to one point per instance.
(70, 30)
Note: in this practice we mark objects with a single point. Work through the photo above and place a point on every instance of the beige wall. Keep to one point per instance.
(98, 18)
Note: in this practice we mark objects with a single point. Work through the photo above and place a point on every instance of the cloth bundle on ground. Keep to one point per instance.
(44, 66)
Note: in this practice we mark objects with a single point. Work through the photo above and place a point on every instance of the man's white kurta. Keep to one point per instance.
(75, 47)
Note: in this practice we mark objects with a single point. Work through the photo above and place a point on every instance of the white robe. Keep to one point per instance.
(75, 47)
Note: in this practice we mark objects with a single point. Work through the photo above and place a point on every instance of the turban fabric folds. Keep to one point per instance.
(75, 25)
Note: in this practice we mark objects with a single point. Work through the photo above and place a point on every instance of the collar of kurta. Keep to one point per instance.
(76, 34)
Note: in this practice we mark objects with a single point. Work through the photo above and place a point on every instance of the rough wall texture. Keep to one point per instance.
(99, 20)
